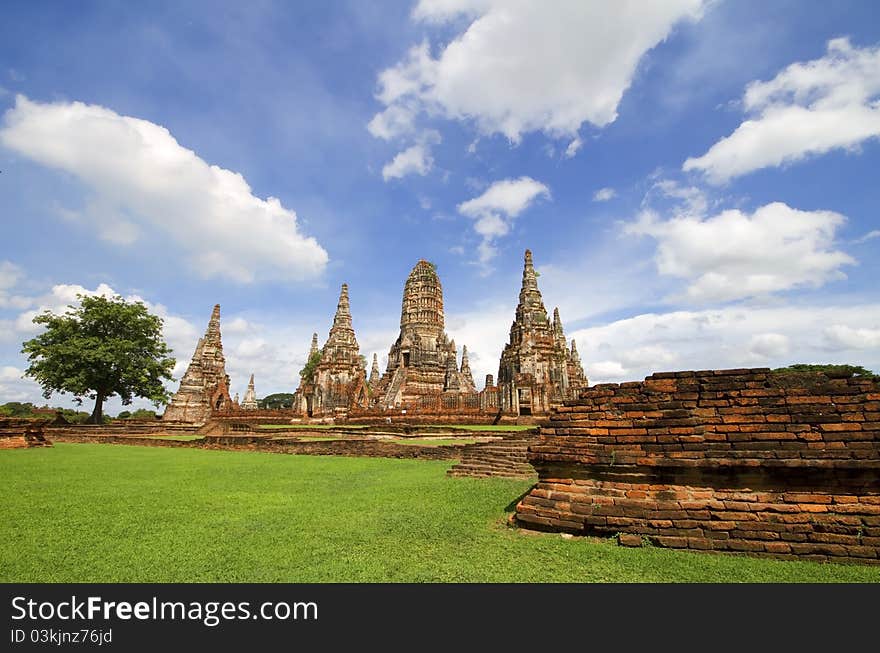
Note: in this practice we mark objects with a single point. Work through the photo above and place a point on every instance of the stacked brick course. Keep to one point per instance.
(730, 460)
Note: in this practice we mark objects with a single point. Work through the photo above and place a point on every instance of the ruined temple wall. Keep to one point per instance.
(731, 460)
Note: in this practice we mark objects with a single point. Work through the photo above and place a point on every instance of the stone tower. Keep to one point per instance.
(536, 370)
(250, 397)
(422, 361)
(205, 385)
(375, 375)
(467, 379)
(339, 380)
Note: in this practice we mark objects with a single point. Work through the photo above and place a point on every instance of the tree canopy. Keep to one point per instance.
(101, 348)
(277, 400)
(308, 372)
(830, 370)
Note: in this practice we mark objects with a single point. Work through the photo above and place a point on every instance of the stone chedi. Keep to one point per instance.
(205, 385)
(338, 381)
(422, 361)
(537, 369)
(250, 397)
(375, 375)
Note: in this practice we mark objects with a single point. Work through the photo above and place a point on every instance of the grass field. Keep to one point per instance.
(113, 513)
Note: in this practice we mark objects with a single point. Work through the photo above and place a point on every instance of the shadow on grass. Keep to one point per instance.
(510, 507)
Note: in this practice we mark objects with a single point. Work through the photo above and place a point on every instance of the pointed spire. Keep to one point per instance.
(374, 372)
(466, 377)
(574, 351)
(557, 323)
(212, 334)
(250, 396)
(530, 279)
(530, 310)
(452, 378)
(343, 310)
(314, 348)
(235, 400)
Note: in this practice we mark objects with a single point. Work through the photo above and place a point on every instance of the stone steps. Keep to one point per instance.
(506, 458)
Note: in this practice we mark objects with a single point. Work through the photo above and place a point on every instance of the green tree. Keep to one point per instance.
(308, 372)
(101, 348)
(830, 370)
(277, 400)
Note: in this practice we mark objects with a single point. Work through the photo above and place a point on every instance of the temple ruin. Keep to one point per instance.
(537, 369)
(338, 381)
(250, 397)
(205, 385)
(424, 377)
(423, 361)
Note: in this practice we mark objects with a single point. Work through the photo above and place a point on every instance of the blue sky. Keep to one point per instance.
(697, 181)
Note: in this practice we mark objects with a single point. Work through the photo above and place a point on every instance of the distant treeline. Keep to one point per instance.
(27, 409)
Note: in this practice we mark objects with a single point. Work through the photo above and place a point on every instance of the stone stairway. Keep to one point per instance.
(506, 457)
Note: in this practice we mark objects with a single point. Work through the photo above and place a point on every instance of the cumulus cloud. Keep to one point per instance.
(573, 147)
(143, 180)
(768, 345)
(734, 254)
(841, 336)
(413, 160)
(516, 66)
(494, 210)
(735, 336)
(604, 194)
(808, 109)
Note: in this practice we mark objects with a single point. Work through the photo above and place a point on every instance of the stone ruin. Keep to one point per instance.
(204, 387)
(422, 361)
(339, 380)
(732, 460)
(423, 375)
(537, 370)
(250, 397)
(22, 433)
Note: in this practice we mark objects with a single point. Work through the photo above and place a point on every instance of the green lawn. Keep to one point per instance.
(100, 512)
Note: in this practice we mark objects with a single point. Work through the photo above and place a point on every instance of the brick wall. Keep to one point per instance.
(729, 460)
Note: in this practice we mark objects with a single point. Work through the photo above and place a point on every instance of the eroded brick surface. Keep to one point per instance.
(729, 460)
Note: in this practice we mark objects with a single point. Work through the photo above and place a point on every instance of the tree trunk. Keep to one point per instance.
(98, 413)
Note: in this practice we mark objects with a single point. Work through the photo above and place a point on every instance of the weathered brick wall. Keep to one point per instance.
(730, 460)
(22, 433)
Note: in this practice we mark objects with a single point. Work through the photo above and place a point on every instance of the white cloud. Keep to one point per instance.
(736, 336)
(868, 236)
(807, 109)
(604, 194)
(768, 345)
(143, 180)
(413, 160)
(495, 209)
(10, 275)
(734, 254)
(841, 336)
(573, 147)
(521, 66)
(605, 370)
